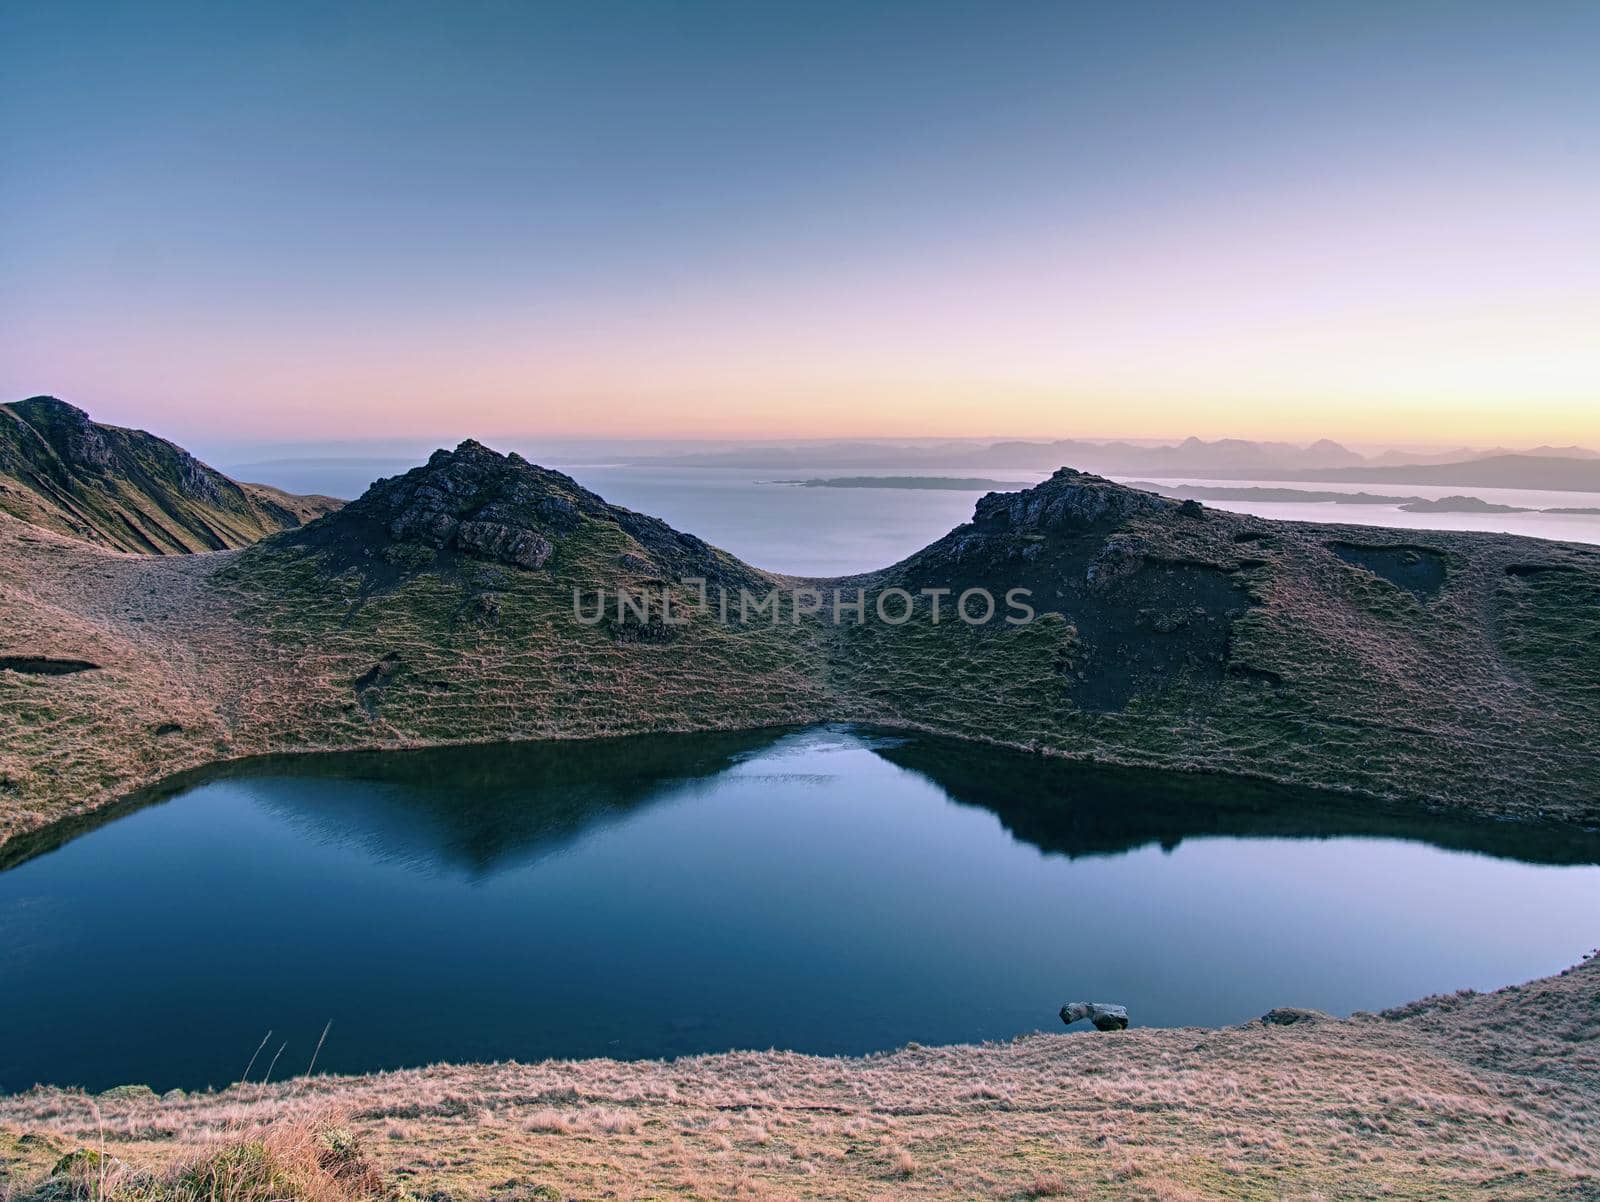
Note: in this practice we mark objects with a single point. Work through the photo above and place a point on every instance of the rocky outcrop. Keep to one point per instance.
(480, 504)
(494, 540)
(67, 430)
(1069, 501)
(1133, 574)
(1292, 1016)
(1104, 1015)
(475, 502)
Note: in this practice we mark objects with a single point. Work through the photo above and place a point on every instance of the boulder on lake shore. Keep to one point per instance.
(1290, 1016)
(1103, 1015)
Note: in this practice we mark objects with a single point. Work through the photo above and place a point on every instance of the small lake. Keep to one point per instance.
(832, 890)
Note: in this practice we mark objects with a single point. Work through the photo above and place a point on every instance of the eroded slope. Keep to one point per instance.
(128, 490)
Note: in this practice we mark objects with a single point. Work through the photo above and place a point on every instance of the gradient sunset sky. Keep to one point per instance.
(1376, 222)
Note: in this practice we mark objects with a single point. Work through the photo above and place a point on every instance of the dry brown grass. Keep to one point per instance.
(1480, 1096)
(1494, 1097)
(1479, 698)
(1480, 702)
(306, 1160)
(196, 669)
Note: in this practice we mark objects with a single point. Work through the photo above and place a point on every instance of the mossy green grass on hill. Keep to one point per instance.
(1455, 670)
(1175, 636)
(128, 490)
(1167, 636)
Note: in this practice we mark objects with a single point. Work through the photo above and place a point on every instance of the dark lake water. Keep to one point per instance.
(831, 890)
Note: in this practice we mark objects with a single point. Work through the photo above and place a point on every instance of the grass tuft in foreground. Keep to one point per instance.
(286, 1162)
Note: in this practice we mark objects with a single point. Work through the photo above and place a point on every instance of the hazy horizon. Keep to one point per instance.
(575, 448)
(1373, 223)
(236, 450)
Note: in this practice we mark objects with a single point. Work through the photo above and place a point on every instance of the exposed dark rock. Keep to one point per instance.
(1069, 501)
(197, 481)
(1420, 571)
(369, 686)
(37, 665)
(1289, 1016)
(68, 430)
(1104, 1015)
(1089, 549)
(558, 514)
(492, 540)
(424, 524)
(120, 1092)
(379, 672)
(501, 509)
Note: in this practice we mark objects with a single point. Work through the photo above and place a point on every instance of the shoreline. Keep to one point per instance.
(19, 845)
(1474, 1093)
(1330, 675)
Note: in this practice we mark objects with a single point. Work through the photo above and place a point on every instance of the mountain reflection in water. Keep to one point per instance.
(829, 890)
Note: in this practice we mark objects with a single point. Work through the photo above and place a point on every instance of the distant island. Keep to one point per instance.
(1194, 492)
(1451, 504)
(1203, 492)
(1462, 505)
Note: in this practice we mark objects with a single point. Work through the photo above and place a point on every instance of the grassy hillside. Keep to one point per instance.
(1466, 1096)
(436, 609)
(1456, 670)
(1459, 671)
(129, 490)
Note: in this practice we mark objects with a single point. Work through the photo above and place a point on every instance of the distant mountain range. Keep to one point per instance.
(1496, 471)
(1402, 458)
(1569, 468)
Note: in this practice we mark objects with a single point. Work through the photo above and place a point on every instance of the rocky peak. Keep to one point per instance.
(477, 502)
(1069, 500)
(1327, 453)
(48, 407)
(68, 430)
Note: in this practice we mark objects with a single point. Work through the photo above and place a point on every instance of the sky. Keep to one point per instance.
(1374, 222)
